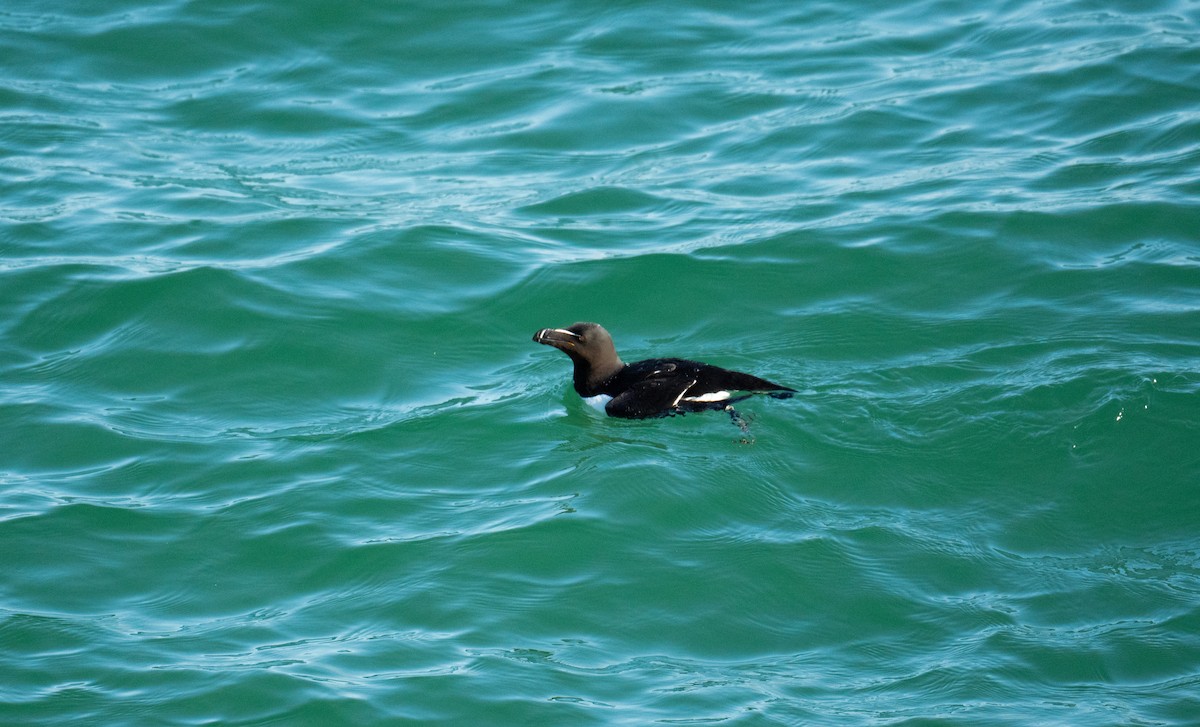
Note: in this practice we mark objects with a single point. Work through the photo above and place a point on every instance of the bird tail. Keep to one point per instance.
(746, 382)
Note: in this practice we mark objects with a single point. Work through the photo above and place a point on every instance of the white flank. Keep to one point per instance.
(598, 401)
(711, 396)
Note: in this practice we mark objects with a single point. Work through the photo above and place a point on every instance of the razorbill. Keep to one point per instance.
(655, 387)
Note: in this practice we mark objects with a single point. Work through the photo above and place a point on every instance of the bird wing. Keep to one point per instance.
(652, 397)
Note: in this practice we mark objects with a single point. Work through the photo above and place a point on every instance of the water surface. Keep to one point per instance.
(277, 447)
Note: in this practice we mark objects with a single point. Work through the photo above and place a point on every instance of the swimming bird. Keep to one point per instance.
(655, 387)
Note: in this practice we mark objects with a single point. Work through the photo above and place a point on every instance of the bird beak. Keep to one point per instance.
(560, 338)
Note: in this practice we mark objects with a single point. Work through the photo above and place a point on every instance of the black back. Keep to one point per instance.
(657, 387)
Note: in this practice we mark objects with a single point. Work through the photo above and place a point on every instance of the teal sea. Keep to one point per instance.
(276, 446)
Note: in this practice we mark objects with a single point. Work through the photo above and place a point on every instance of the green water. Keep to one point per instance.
(276, 446)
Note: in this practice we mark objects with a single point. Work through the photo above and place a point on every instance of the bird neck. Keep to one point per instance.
(590, 379)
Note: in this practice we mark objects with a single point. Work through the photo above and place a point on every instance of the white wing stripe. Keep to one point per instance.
(685, 390)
